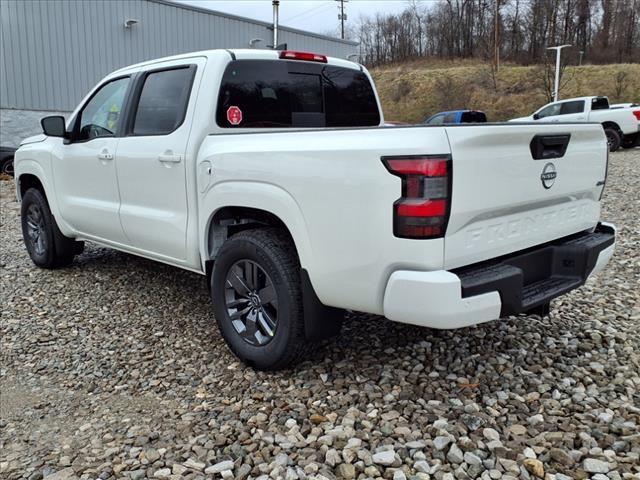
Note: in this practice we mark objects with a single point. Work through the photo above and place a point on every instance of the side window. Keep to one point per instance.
(550, 111)
(163, 101)
(450, 118)
(101, 114)
(568, 108)
(437, 120)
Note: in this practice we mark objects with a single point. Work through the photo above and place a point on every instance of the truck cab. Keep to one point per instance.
(621, 125)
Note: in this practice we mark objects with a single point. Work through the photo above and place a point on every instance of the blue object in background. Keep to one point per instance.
(456, 116)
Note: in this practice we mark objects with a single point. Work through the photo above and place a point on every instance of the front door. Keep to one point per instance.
(151, 161)
(86, 183)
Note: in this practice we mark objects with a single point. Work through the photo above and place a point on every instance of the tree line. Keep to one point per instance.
(600, 31)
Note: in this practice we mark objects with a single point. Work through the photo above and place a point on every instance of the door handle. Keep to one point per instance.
(169, 158)
(544, 147)
(105, 156)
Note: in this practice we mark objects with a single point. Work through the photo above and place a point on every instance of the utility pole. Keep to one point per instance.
(496, 37)
(276, 5)
(342, 16)
(557, 82)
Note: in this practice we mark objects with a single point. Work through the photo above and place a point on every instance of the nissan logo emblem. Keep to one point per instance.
(548, 175)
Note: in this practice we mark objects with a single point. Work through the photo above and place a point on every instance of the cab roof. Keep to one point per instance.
(237, 54)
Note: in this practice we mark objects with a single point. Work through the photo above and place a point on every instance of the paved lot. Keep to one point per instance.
(113, 368)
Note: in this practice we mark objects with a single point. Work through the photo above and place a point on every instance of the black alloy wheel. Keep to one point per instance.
(36, 230)
(251, 302)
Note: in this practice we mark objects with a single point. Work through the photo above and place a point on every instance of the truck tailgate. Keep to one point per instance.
(504, 200)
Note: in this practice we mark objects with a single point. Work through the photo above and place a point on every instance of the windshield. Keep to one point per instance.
(290, 93)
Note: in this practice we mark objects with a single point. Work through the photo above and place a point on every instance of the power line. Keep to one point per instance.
(315, 9)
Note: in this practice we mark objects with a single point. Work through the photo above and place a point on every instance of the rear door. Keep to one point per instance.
(152, 159)
(572, 111)
(517, 186)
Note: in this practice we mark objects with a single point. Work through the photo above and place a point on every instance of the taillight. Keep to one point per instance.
(423, 210)
(309, 57)
(636, 113)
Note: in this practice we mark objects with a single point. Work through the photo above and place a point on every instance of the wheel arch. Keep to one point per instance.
(30, 174)
(231, 219)
(27, 181)
(612, 125)
(233, 206)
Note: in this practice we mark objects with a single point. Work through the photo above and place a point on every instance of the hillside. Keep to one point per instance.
(414, 91)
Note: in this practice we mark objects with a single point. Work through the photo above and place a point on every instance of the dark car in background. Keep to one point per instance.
(456, 116)
(6, 160)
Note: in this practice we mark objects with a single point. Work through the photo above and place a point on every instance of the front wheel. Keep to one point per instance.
(613, 139)
(46, 245)
(257, 298)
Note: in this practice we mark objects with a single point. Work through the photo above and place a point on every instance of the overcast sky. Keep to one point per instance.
(319, 16)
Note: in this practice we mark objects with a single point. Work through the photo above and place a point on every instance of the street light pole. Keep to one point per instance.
(557, 82)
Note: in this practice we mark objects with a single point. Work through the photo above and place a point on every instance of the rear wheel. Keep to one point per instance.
(257, 298)
(613, 139)
(46, 245)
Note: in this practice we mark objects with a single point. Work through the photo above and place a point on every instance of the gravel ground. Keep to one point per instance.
(113, 368)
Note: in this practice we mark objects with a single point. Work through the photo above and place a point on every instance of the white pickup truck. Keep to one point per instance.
(621, 125)
(273, 173)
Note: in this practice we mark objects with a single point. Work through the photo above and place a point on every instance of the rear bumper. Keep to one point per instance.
(500, 287)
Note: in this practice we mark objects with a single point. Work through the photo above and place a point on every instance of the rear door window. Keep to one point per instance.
(576, 106)
(163, 101)
(437, 120)
(450, 118)
(285, 93)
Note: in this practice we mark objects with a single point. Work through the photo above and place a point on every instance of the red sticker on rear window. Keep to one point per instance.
(234, 115)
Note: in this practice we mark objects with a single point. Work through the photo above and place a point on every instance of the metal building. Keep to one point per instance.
(53, 52)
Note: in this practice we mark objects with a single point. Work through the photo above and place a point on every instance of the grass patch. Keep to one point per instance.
(413, 91)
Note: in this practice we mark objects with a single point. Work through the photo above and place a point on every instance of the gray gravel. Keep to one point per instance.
(113, 368)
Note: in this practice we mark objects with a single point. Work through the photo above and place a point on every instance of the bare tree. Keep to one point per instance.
(605, 30)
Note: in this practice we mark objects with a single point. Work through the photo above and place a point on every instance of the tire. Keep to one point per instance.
(46, 245)
(6, 167)
(631, 141)
(613, 139)
(266, 332)
(541, 310)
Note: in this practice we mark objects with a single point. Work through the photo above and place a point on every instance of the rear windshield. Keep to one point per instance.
(290, 93)
(600, 103)
(473, 117)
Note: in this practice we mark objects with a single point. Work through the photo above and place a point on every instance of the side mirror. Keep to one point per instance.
(536, 116)
(54, 126)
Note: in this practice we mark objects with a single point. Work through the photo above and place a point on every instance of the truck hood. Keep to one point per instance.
(35, 139)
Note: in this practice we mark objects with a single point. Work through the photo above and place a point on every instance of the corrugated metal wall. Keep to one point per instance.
(53, 51)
